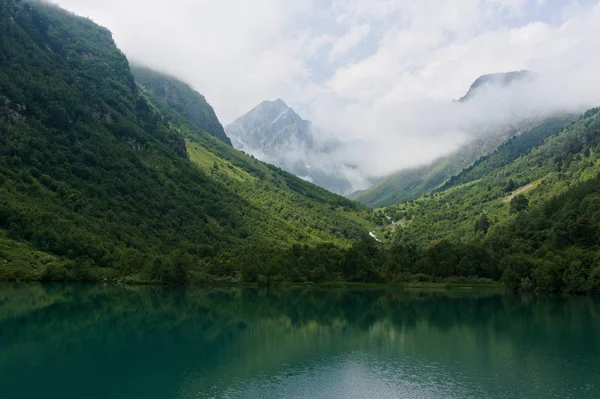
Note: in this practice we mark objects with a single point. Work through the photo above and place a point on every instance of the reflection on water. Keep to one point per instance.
(77, 341)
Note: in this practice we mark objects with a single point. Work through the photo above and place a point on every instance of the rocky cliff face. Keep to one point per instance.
(275, 133)
(272, 128)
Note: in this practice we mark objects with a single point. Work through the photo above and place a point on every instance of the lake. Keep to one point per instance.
(94, 341)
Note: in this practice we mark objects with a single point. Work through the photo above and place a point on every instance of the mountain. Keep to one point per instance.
(103, 176)
(180, 97)
(414, 182)
(272, 126)
(274, 133)
(528, 213)
(496, 80)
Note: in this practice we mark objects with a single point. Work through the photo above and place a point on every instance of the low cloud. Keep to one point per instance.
(401, 102)
(376, 72)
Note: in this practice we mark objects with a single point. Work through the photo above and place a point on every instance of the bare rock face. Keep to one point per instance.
(273, 127)
(273, 132)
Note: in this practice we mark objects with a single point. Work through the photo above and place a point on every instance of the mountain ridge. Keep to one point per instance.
(266, 118)
(411, 183)
(501, 79)
(100, 179)
(194, 106)
(273, 132)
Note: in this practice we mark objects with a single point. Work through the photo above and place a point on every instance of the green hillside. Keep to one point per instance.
(107, 176)
(97, 182)
(509, 151)
(529, 216)
(172, 95)
(413, 183)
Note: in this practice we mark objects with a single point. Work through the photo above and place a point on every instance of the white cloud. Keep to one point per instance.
(399, 99)
(236, 52)
(350, 40)
(380, 71)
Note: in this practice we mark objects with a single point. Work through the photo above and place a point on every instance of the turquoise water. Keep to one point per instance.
(70, 341)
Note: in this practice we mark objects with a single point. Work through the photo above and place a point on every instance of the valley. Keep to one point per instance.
(420, 218)
(112, 172)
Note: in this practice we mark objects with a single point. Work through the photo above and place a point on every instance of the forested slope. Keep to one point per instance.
(96, 181)
(529, 216)
(173, 95)
(408, 184)
(509, 151)
(101, 177)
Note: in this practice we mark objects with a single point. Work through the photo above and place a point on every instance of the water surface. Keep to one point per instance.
(78, 341)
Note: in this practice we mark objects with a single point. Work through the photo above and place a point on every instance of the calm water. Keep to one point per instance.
(69, 341)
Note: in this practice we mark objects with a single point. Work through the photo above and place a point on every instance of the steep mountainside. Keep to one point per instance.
(528, 213)
(412, 183)
(99, 179)
(179, 97)
(274, 133)
(261, 184)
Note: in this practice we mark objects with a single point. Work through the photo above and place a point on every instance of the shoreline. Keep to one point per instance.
(468, 286)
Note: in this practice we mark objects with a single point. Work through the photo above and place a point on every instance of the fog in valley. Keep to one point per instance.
(381, 77)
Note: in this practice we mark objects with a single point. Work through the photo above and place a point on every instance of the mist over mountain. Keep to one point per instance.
(484, 132)
(383, 168)
(273, 132)
(272, 126)
(496, 80)
(383, 72)
(109, 173)
(173, 93)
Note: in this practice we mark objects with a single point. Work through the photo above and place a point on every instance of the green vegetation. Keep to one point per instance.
(467, 164)
(96, 177)
(103, 178)
(509, 151)
(531, 220)
(172, 95)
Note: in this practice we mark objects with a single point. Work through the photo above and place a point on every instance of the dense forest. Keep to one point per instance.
(109, 174)
(528, 214)
(96, 182)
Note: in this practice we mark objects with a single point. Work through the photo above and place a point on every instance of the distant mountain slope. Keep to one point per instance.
(178, 96)
(273, 127)
(496, 80)
(99, 179)
(528, 213)
(507, 152)
(274, 133)
(414, 182)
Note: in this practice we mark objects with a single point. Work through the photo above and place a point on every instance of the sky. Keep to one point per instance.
(377, 71)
